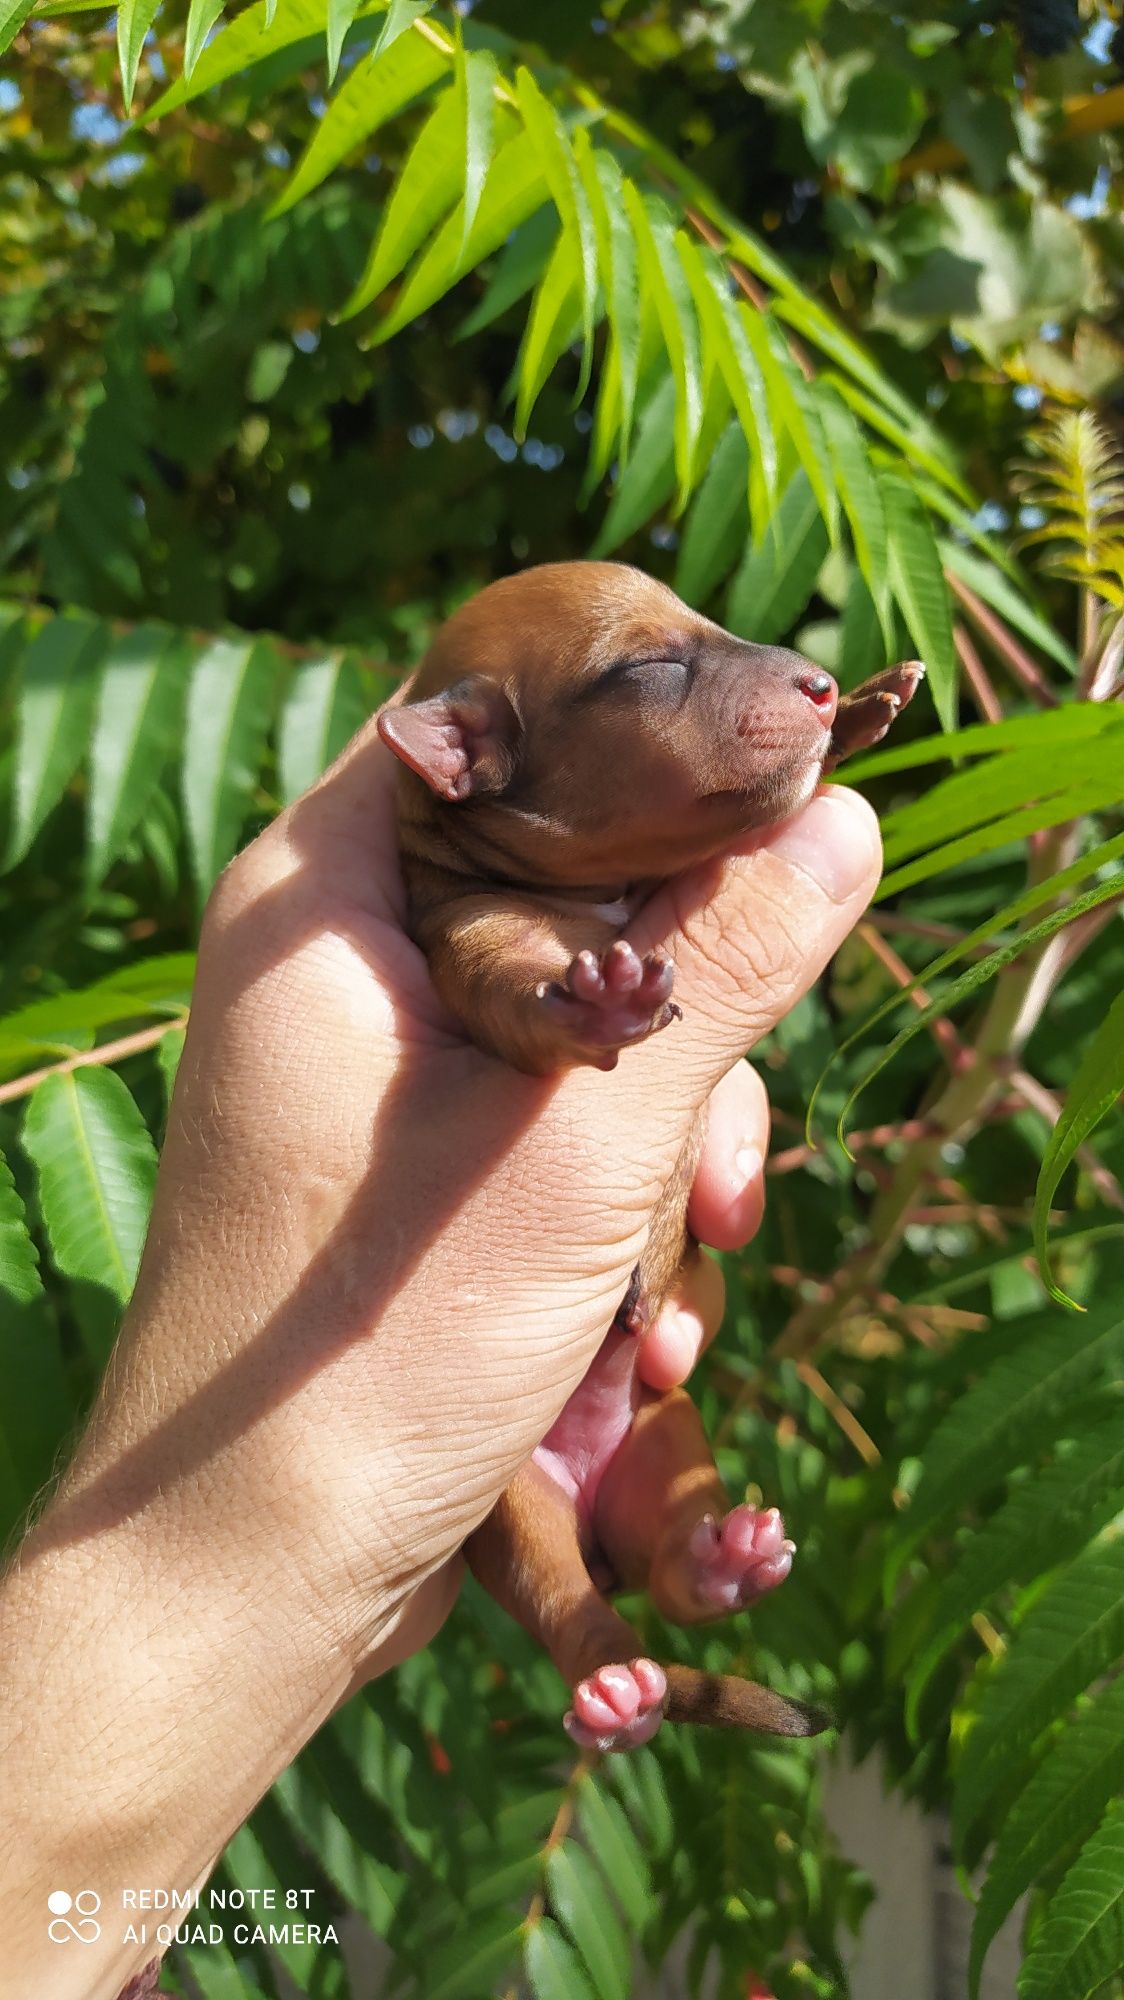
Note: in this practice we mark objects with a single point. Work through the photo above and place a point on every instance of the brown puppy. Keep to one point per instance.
(574, 735)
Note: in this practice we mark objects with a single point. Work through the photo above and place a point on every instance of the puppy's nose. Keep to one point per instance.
(821, 692)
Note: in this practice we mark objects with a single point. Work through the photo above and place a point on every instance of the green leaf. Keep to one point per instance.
(615, 1849)
(1041, 1523)
(1073, 1632)
(556, 160)
(13, 14)
(477, 77)
(1013, 605)
(621, 279)
(746, 369)
(862, 648)
(341, 14)
(862, 501)
(134, 19)
(663, 276)
(201, 18)
(324, 707)
(649, 477)
(1089, 1099)
(550, 329)
(138, 723)
(19, 1259)
(778, 576)
(793, 403)
(169, 1050)
(478, 1959)
(917, 582)
(426, 189)
(378, 88)
(262, 30)
(1081, 1943)
(227, 714)
(580, 1902)
(718, 522)
(1019, 1401)
(1080, 1775)
(53, 708)
(515, 188)
(553, 1967)
(400, 15)
(518, 269)
(96, 1168)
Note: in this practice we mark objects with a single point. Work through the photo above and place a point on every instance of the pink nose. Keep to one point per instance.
(821, 692)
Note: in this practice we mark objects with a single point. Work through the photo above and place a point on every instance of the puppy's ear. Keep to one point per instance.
(463, 742)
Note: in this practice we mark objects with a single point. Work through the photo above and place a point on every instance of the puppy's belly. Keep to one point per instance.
(582, 1443)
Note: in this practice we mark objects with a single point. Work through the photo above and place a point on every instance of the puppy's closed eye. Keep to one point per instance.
(663, 676)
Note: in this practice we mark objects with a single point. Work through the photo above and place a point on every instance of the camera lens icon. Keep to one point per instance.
(83, 1927)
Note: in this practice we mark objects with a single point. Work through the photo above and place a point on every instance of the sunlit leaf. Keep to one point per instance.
(96, 1167)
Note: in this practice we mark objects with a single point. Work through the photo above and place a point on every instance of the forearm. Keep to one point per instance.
(150, 1698)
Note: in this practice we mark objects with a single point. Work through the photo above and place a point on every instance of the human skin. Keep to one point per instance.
(379, 1262)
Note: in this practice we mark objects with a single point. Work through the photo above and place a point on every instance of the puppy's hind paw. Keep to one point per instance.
(618, 1707)
(739, 1558)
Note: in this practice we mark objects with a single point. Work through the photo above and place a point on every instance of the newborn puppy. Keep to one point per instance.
(575, 735)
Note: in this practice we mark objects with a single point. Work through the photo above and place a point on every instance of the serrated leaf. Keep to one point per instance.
(579, 1900)
(1081, 1942)
(19, 1259)
(622, 292)
(1089, 1099)
(480, 1956)
(553, 1968)
(793, 402)
(1012, 605)
(718, 522)
(323, 708)
(664, 278)
(134, 19)
(426, 189)
(400, 15)
(13, 14)
(1080, 1775)
(556, 160)
(201, 18)
(378, 88)
(917, 582)
(648, 479)
(862, 502)
(1041, 1523)
(476, 82)
(140, 705)
(862, 647)
(53, 706)
(515, 188)
(746, 368)
(615, 1849)
(777, 576)
(227, 715)
(261, 31)
(1079, 723)
(555, 317)
(96, 1168)
(518, 269)
(341, 14)
(1073, 1632)
(997, 1422)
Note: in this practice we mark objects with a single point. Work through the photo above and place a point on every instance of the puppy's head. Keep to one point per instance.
(579, 724)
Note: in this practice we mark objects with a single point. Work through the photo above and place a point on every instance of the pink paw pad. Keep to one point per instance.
(618, 1707)
(610, 1000)
(739, 1558)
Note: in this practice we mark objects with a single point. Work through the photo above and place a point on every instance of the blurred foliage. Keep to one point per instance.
(226, 523)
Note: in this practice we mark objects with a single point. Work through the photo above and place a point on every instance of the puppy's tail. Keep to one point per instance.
(722, 1701)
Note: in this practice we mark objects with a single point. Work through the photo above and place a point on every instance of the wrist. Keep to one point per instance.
(157, 1699)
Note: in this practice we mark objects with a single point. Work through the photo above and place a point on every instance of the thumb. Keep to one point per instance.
(750, 935)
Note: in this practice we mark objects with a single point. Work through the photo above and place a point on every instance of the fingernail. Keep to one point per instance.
(834, 841)
(749, 1164)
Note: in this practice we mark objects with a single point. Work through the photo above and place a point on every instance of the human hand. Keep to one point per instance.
(379, 1261)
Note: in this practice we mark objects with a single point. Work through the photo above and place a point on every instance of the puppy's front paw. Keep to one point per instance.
(618, 1707)
(606, 1002)
(739, 1558)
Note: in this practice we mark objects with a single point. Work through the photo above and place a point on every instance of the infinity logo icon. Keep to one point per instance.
(85, 1930)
